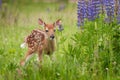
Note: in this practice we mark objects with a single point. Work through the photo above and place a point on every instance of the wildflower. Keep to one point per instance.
(60, 28)
(107, 20)
(0, 3)
(61, 7)
(81, 12)
(48, 10)
(118, 13)
(58, 74)
(102, 6)
(106, 69)
(95, 8)
(89, 11)
(114, 63)
(109, 6)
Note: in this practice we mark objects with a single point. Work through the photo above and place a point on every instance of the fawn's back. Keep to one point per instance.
(39, 39)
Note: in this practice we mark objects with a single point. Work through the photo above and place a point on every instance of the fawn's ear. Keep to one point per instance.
(40, 21)
(58, 23)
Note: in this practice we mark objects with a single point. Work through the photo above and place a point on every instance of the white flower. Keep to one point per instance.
(106, 69)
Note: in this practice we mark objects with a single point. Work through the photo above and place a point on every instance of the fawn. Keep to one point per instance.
(41, 40)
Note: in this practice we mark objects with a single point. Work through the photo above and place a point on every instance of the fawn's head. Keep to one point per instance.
(51, 28)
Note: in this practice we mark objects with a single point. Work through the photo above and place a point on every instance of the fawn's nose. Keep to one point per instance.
(52, 36)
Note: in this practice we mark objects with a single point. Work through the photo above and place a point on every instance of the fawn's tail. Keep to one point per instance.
(23, 45)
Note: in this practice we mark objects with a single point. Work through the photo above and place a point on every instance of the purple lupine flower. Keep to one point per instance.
(90, 15)
(91, 9)
(0, 3)
(102, 2)
(109, 6)
(81, 12)
(118, 13)
(48, 10)
(61, 7)
(60, 28)
(102, 6)
(78, 13)
(95, 6)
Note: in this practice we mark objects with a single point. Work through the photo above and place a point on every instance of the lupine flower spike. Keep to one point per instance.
(91, 9)
(118, 13)
(81, 12)
(109, 6)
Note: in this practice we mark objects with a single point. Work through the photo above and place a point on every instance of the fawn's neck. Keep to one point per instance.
(51, 44)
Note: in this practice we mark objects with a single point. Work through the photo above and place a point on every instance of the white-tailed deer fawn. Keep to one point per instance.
(41, 40)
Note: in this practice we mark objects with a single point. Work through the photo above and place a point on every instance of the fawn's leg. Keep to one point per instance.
(40, 50)
(51, 55)
(27, 57)
(40, 56)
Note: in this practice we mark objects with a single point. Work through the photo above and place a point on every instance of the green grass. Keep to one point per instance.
(80, 54)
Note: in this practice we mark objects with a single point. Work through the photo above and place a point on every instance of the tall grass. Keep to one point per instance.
(95, 49)
(89, 54)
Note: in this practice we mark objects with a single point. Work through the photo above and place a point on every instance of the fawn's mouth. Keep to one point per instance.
(52, 38)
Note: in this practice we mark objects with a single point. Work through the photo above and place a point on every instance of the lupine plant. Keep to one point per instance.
(118, 13)
(95, 8)
(109, 6)
(87, 9)
(91, 9)
(81, 12)
(0, 3)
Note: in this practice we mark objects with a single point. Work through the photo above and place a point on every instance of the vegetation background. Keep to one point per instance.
(92, 53)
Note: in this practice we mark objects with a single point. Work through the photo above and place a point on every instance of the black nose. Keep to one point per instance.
(52, 36)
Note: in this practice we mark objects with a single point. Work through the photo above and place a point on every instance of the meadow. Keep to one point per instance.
(89, 53)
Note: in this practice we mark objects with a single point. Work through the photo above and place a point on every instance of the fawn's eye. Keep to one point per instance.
(46, 30)
(54, 30)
